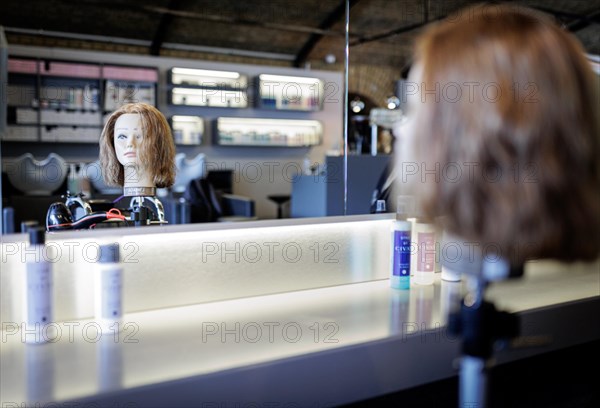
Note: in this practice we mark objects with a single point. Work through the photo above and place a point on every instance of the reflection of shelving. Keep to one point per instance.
(290, 93)
(209, 97)
(21, 134)
(200, 87)
(52, 101)
(128, 84)
(208, 78)
(268, 132)
(60, 101)
(187, 129)
(68, 85)
(73, 134)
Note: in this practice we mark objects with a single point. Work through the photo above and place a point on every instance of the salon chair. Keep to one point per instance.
(201, 202)
(204, 196)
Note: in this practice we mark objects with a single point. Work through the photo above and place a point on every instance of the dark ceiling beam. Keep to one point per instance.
(583, 22)
(578, 24)
(163, 26)
(579, 21)
(593, 17)
(401, 30)
(326, 24)
(242, 21)
(396, 31)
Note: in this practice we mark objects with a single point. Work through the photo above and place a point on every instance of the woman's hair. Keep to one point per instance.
(158, 147)
(509, 122)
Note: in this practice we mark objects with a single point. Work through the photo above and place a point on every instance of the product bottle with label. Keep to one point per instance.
(401, 239)
(380, 207)
(108, 289)
(400, 278)
(423, 257)
(38, 289)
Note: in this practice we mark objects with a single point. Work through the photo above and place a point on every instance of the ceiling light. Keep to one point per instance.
(393, 102)
(357, 105)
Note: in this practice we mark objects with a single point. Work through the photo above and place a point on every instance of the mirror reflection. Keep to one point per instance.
(256, 89)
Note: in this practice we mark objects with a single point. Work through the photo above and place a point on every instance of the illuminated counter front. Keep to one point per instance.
(189, 264)
(236, 332)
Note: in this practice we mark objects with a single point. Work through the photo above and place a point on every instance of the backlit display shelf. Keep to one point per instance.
(187, 130)
(204, 78)
(280, 92)
(268, 132)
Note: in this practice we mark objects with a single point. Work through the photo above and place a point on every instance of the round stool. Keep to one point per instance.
(279, 200)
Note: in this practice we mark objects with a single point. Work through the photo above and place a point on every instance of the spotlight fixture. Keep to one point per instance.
(330, 58)
(393, 102)
(357, 105)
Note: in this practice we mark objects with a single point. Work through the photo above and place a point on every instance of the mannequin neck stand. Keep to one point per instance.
(139, 191)
(146, 210)
(138, 182)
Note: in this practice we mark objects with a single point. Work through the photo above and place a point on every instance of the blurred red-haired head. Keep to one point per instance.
(506, 116)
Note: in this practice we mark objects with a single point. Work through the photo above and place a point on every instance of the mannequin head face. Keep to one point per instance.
(128, 139)
(137, 134)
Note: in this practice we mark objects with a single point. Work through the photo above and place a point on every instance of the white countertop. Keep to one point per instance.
(195, 341)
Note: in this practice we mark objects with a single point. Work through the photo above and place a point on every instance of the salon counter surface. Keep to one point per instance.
(319, 347)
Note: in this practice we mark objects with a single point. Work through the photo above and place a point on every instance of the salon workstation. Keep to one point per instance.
(346, 203)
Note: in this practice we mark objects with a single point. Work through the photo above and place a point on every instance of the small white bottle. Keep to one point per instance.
(380, 207)
(37, 309)
(84, 182)
(450, 275)
(95, 99)
(108, 289)
(306, 166)
(450, 252)
(87, 98)
(73, 183)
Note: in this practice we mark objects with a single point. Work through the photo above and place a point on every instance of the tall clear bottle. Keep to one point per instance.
(108, 289)
(38, 289)
(424, 260)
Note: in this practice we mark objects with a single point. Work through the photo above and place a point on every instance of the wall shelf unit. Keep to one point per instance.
(280, 92)
(267, 132)
(60, 101)
(128, 84)
(208, 88)
(187, 130)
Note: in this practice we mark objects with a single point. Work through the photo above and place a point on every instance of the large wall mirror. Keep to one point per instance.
(280, 67)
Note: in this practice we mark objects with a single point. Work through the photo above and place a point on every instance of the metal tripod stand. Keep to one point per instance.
(479, 324)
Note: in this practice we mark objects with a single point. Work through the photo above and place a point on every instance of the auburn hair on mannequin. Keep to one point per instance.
(157, 150)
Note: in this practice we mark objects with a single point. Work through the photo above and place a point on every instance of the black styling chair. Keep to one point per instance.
(200, 202)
